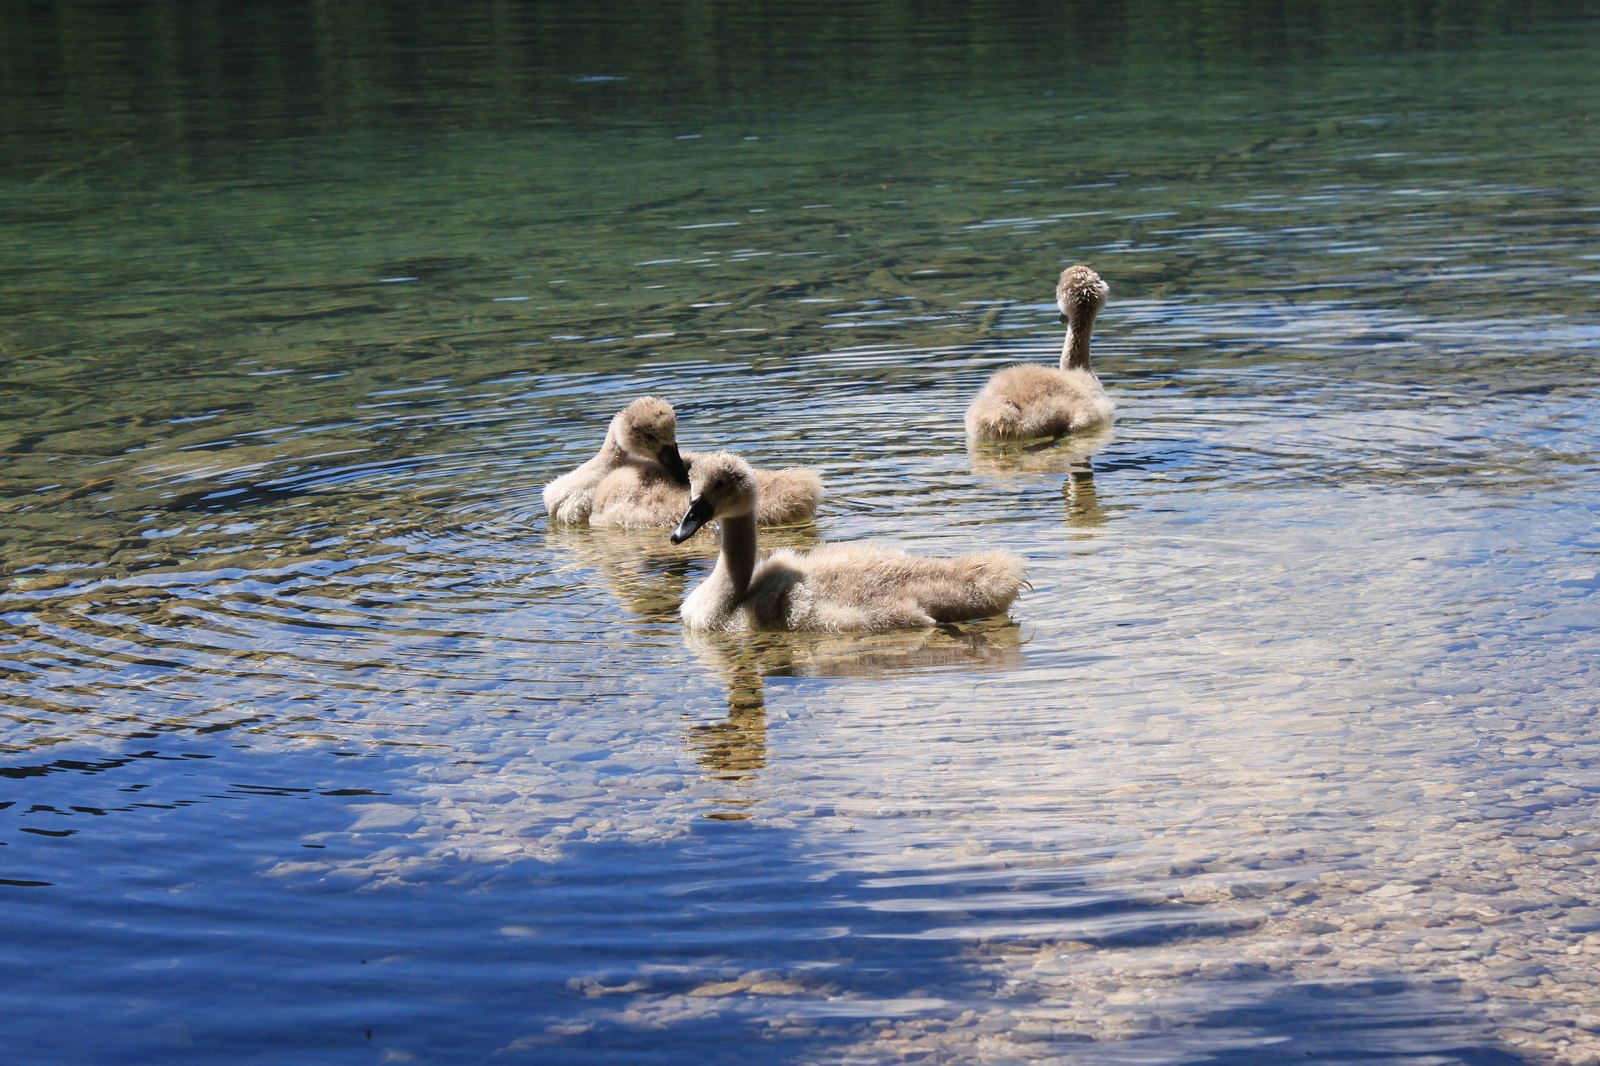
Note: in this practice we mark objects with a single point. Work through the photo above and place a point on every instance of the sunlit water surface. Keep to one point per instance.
(321, 745)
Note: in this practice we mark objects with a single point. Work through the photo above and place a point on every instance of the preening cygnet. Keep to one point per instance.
(834, 588)
(1029, 401)
(641, 447)
(639, 480)
(645, 497)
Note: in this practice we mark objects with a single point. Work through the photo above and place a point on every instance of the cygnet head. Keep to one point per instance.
(648, 428)
(1080, 294)
(722, 485)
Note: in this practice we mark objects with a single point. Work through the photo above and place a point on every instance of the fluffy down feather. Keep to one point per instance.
(1029, 401)
(835, 588)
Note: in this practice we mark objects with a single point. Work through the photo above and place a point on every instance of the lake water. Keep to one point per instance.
(319, 745)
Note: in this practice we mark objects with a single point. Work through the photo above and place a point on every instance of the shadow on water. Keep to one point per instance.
(868, 966)
(1368, 1020)
(693, 946)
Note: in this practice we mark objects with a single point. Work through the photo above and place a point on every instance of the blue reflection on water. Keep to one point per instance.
(727, 942)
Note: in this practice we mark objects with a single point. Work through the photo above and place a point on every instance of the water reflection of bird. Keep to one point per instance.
(1072, 457)
(742, 658)
(1028, 401)
(639, 479)
(1084, 509)
(735, 748)
(1002, 459)
(646, 574)
(835, 588)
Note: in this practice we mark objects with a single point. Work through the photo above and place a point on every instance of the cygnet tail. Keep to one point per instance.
(990, 582)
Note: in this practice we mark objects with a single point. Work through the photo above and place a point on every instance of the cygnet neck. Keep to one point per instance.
(737, 560)
(1075, 350)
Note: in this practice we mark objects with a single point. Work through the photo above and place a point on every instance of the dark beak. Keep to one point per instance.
(1065, 321)
(699, 514)
(669, 458)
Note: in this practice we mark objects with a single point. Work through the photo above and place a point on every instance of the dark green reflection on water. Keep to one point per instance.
(230, 229)
(203, 72)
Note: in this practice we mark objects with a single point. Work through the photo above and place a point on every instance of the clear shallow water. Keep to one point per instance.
(319, 743)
